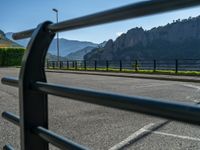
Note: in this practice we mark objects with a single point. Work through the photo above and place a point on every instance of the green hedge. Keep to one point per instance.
(11, 56)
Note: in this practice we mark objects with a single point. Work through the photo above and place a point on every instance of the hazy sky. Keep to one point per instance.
(17, 15)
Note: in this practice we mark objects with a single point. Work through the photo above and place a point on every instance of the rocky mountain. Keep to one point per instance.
(178, 40)
(5, 42)
(66, 46)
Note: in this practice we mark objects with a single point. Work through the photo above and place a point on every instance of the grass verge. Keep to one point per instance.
(165, 72)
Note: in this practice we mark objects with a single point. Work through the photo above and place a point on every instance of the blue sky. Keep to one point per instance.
(17, 15)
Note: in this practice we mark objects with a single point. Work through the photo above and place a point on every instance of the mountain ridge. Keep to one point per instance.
(79, 55)
(163, 42)
(7, 43)
(66, 46)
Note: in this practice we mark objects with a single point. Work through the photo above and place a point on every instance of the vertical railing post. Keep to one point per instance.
(154, 65)
(85, 65)
(34, 105)
(136, 65)
(76, 67)
(120, 65)
(57, 64)
(67, 64)
(73, 64)
(53, 64)
(47, 64)
(61, 64)
(176, 66)
(107, 65)
(95, 65)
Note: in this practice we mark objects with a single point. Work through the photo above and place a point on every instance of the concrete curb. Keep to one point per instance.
(128, 75)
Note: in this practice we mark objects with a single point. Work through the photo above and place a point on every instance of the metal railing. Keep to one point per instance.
(125, 65)
(33, 87)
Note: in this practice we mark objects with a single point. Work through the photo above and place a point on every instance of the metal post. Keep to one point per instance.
(57, 66)
(76, 65)
(136, 65)
(176, 66)
(33, 106)
(95, 65)
(53, 63)
(58, 49)
(154, 65)
(107, 65)
(60, 66)
(120, 65)
(85, 63)
(67, 64)
(47, 64)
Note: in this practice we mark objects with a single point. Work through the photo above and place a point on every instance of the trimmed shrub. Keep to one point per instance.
(11, 56)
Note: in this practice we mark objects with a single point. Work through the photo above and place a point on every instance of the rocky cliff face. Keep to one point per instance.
(168, 42)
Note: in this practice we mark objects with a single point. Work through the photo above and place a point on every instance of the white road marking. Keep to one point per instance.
(192, 86)
(147, 129)
(193, 96)
(132, 137)
(174, 135)
(196, 101)
(154, 85)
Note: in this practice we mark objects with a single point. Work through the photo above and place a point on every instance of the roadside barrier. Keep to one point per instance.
(33, 87)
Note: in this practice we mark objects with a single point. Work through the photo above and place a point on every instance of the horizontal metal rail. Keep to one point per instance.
(32, 76)
(11, 81)
(172, 110)
(161, 108)
(130, 11)
(46, 134)
(11, 117)
(8, 147)
(57, 140)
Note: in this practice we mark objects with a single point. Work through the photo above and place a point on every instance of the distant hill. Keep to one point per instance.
(5, 42)
(69, 46)
(22, 42)
(66, 46)
(79, 55)
(52, 57)
(178, 40)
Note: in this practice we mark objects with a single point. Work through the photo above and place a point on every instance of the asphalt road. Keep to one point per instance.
(101, 128)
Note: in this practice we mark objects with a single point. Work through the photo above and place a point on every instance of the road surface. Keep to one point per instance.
(101, 128)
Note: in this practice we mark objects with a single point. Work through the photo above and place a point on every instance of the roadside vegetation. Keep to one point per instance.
(166, 72)
(11, 56)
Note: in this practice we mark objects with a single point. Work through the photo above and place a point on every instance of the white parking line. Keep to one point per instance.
(192, 86)
(155, 85)
(132, 137)
(196, 101)
(174, 135)
(147, 129)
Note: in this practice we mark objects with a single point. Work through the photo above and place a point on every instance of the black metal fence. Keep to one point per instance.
(33, 87)
(135, 65)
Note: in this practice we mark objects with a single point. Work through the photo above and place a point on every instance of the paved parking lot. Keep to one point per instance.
(101, 128)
